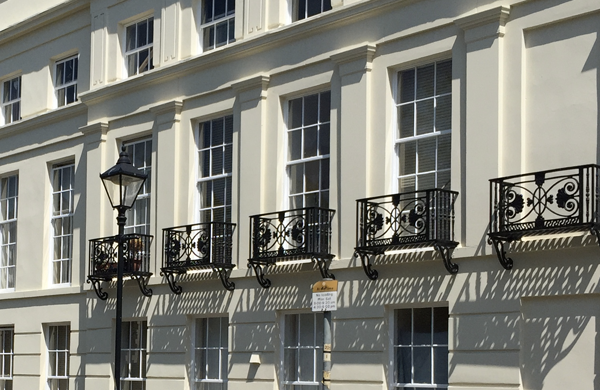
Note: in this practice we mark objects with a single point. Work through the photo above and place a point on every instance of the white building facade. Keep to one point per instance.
(437, 158)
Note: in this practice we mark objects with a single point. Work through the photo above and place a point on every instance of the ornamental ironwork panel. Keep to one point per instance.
(104, 255)
(198, 245)
(290, 234)
(540, 203)
(547, 201)
(406, 220)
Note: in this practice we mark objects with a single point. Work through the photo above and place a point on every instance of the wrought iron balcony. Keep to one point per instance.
(405, 221)
(542, 203)
(104, 261)
(290, 235)
(202, 246)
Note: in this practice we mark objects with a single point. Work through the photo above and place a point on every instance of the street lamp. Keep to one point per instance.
(122, 182)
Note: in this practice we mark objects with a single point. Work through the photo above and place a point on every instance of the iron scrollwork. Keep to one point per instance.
(404, 221)
(289, 235)
(540, 203)
(196, 247)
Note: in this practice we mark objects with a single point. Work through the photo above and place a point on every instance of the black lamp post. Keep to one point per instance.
(122, 182)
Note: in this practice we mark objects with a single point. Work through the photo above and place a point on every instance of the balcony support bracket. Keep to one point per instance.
(170, 275)
(96, 283)
(260, 275)
(224, 275)
(498, 244)
(595, 230)
(324, 263)
(365, 259)
(142, 281)
(446, 252)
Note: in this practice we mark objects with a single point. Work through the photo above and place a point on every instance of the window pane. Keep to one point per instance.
(440, 364)
(324, 140)
(443, 152)
(295, 145)
(406, 120)
(307, 365)
(425, 117)
(422, 364)
(427, 154)
(311, 175)
(310, 142)
(425, 81)
(311, 110)
(443, 113)
(296, 178)
(440, 325)
(406, 86)
(422, 326)
(324, 106)
(444, 77)
(403, 365)
(408, 157)
(295, 113)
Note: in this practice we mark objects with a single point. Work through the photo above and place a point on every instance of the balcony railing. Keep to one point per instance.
(542, 203)
(202, 246)
(104, 260)
(404, 221)
(290, 235)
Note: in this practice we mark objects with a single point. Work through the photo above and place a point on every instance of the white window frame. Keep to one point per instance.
(129, 351)
(316, 348)
(8, 216)
(135, 50)
(61, 86)
(62, 352)
(11, 103)
(144, 198)
(222, 349)
(6, 353)
(62, 218)
(224, 174)
(394, 345)
(435, 135)
(325, 6)
(322, 159)
(212, 22)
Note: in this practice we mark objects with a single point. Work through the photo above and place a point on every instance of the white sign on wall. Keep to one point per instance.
(324, 297)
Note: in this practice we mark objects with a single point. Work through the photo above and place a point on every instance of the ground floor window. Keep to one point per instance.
(210, 353)
(420, 348)
(6, 358)
(133, 355)
(303, 351)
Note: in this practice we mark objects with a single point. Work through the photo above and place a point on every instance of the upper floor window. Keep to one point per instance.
(8, 231)
(58, 357)
(62, 222)
(303, 351)
(138, 217)
(210, 353)
(11, 100)
(218, 23)
(215, 152)
(66, 80)
(420, 348)
(6, 358)
(139, 47)
(302, 9)
(424, 107)
(308, 150)
(133, 355)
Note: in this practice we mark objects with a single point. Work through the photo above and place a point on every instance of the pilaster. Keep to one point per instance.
(483, 42)
(353, 100)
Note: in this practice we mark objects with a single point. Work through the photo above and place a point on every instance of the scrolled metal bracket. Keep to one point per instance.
(323, 264)
(595, 230)
(498, 244)
(143, 283)
(365, 259)
(224, 275)
(170, 276)
(446, 253)
(103, 295)
(260, 275)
